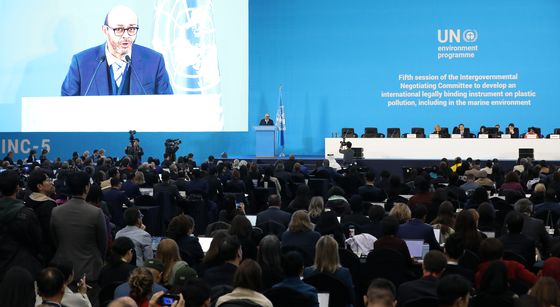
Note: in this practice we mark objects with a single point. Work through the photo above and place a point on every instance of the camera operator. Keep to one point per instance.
(135, 152)
(171, 147)
(348, 153)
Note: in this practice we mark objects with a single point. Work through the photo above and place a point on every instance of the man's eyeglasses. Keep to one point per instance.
(120, 30)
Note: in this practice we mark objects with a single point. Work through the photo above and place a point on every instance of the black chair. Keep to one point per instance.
(339, 294)
(286, 297)
(469, 260)
(556, 130)
(239, 303)
(351, 261)
(371, 132)
(307, 259)
(394, 133)
(386, 263)
(509, 255)
(493, 132)
(195, 206)
(549, 218)
(318, 186)
(418, 131)
(272, 228)
(107, 293)
(423, 302)
(348, 133)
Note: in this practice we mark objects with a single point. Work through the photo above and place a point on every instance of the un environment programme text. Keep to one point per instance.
(458, 90)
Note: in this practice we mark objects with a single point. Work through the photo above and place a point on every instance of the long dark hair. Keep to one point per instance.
(17, 288)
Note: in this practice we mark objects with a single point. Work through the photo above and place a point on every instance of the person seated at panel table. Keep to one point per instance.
(514, 134)
(482, 130)
(460, 129)
(499, 129)
(531, 131)
(266, 121)
(440, 132)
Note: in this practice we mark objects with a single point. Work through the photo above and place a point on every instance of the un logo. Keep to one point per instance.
(470, 36)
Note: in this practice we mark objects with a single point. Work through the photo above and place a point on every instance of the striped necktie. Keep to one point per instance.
(118, 71)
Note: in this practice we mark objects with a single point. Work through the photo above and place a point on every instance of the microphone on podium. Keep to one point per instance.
(129, 61)
(100, 60)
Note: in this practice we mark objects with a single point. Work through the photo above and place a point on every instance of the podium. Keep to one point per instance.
(265, 141)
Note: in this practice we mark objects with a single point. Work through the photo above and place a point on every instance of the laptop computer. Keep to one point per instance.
(415, 248)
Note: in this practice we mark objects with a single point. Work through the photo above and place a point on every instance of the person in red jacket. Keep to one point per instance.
(492, 249)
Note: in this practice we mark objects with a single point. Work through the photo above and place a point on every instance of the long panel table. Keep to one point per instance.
(435, 149)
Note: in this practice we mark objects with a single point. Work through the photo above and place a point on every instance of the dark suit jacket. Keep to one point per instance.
(423, 287)
(220, 275)
(80, 234)
(274, 214)
(115, 199)
(534, 229)
(417, 230)
(264, 123)
(459, 270)
(372, 194)
(149, 66)
(521, 245)
(166, 195)
(394, 243)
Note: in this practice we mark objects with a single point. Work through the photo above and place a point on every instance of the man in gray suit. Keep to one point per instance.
(79, 230)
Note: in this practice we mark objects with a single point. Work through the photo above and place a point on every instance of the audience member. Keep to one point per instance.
(196, 293)
(168, 253)
(494, 287)
(316, 207)
(454, 251)
(181, 229)
(356, 216)
(231, 254)
(532, 227)
(369, 192)
(300, 234)
(155, 266)
(453, 291)
(274, 213)
(17, 288)
(292, 265)
(401, 212)
(380, 293)
(466, 229)
(247, 283)
(140, 282)
(118, 265)
(445, 220)
(516, 242)
(20, 231)
(268, 257)
(79, 299)
(50, 286)
(417, 229)
(389, 239)
(546, 291)
(135, 230)
(426, 287)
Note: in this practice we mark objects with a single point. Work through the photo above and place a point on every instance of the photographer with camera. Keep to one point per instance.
(347, 152)
(171, 147)
(134, 151)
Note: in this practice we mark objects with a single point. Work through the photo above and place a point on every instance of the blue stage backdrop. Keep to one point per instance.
(399, 63)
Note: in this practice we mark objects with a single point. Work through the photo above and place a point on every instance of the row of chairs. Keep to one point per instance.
(373, 132)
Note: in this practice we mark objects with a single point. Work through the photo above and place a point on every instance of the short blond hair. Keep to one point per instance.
(401, 212)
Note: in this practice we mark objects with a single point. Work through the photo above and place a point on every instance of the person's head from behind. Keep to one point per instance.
(300, 222)
(133, 217)
(356, 204)
(196, 293)
(453, 291)
(326, 255)
(168, 253)
(124, 301)
(269, 251)
(389, 225)
(230, 250)
(434, 263)
(376, 213)
(524, 206)
(491, 249)
(401, 212)
(213, 253)
(121, 250)
(156, 267)
(241, 227)
(454, 248)
(120, 29)
(292, 264)
(78, 183)
(421, 184)
(419, 212)
(9, 183)
(66, 267)
(248, 275)
(316, 205)
(514, 222)
(381, 293)
(17, 287)
(546, 291)
(140, 282)
(274, 200)
(50, 284)
(180, 225)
